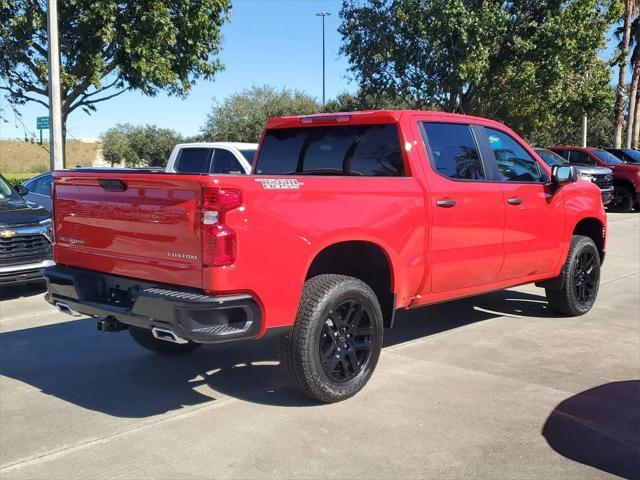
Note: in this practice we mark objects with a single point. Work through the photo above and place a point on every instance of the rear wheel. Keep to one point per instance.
(581, 279)
(623, 199)
(146, 339)
(335, 342)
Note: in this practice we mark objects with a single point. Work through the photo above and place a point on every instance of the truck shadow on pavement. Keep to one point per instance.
(600, 427)
(109, 373)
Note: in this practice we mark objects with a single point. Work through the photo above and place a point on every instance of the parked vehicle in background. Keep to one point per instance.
(347, 218)
(39, 190)
(25, 237)
(626, 176)
(628, 155)
(217, 157)
(601, 176)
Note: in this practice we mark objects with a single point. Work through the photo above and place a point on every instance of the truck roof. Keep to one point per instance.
(370, 117)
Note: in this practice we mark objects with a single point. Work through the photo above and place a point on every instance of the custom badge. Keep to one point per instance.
(280, 183)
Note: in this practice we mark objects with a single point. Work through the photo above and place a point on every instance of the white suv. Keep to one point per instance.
(217, 157)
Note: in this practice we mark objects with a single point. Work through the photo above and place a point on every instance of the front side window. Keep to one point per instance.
(248, 154)
(607, 157)
(225, 162)
(514, 163)
(194, 160)
(350, 150)
(454, 153)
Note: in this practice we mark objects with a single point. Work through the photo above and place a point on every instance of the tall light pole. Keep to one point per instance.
(323, 14)
(55, 117)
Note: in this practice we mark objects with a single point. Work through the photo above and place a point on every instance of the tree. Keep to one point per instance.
(242, 116)
(138, 146)
(634, 43)
(108, 47)
(631, 8)
(522, 62)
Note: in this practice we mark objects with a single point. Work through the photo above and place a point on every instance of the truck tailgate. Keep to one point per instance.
(141, 225)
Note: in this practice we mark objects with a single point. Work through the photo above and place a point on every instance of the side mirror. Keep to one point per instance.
(22, 190)
(564, 174)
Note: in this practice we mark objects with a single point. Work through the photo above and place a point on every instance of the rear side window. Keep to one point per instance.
(194, 160)
(580, 158)
(225, 162)
(514, 163)
(358, 150)
(453, 151)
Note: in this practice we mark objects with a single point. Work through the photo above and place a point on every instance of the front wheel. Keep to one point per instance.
(581, 279)
(623, 199)
(335, 342)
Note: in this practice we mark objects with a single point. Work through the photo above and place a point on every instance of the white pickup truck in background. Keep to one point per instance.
(216, 157)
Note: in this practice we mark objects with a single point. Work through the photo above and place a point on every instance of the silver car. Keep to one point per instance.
(601, 176)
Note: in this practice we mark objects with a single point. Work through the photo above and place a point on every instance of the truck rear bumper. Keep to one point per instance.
(189, 313)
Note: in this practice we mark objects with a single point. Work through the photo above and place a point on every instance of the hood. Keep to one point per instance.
(626, 167)
(16, 211)
(593, 170)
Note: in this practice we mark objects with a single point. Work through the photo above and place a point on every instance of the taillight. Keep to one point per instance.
(218, 239)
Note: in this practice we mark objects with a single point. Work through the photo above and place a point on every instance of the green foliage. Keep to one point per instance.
(109, 46)
(242, 116)
(138, 146)
(17, 178)
(526, 63)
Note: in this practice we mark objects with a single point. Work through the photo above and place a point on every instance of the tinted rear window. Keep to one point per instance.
(194, 160)
(359, 150)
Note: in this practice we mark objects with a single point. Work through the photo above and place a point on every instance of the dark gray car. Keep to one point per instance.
(39, 190)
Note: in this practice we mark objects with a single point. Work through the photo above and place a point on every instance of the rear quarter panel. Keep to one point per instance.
(280, 232)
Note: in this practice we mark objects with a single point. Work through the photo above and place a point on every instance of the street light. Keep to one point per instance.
(323, 14)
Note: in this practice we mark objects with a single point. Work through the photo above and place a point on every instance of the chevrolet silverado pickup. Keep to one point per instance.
(346, 219)
(25, 237)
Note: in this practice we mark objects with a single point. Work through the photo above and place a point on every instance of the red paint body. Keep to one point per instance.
(624, 173)
(435, 254)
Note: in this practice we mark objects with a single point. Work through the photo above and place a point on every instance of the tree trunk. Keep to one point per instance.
(636, 124)
(633, 94)
(622, 70)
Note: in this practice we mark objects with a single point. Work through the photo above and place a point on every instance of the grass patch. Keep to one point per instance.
(18, 178)
(27, 158)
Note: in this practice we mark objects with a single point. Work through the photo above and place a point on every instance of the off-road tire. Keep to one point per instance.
(300, 350)
(565, 300)
(146, 339)
(623, 199)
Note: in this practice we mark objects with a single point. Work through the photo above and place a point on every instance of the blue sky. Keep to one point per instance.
(272, 42)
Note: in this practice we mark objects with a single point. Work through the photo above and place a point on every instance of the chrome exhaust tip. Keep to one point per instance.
(64, 308)
(167, 335)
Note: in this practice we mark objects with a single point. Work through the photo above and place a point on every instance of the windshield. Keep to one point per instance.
(550, 158)
(6, 191)
(248, 154)
(632, 155)
(607, 157)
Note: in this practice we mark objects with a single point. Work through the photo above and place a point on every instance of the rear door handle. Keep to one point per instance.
(514, 201)
(446, 202)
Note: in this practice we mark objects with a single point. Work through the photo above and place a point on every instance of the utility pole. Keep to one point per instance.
(323, 14)
(55, 110)
(584, 130)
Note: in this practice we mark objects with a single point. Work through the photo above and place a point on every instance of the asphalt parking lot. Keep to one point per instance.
(491, 387)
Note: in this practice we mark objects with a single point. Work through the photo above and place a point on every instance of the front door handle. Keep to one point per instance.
(446, 202)
(514, 201)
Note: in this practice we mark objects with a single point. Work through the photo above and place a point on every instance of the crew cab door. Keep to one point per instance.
(467, 211)
(534, 218)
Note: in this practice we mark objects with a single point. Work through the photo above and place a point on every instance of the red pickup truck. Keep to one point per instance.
(346, 219)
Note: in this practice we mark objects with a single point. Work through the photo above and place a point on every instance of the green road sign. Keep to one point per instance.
(42, 123)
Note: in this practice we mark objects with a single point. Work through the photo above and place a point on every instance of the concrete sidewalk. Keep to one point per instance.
(490, 387)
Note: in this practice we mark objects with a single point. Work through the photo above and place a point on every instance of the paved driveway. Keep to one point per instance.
(490, 387)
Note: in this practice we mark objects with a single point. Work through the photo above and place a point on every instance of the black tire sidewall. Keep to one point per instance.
(331, 301)
(623, 199)
(584, 244)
